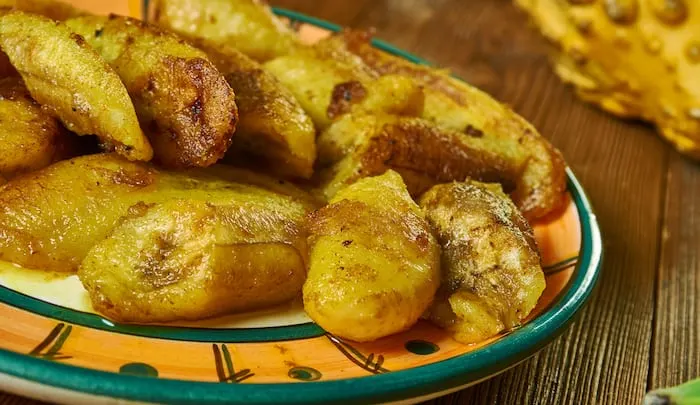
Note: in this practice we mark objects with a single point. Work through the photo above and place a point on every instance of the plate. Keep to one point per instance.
(53, 346)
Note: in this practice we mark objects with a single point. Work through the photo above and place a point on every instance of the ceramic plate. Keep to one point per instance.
(54, 346)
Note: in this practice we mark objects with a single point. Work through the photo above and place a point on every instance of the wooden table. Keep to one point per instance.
(641, 328)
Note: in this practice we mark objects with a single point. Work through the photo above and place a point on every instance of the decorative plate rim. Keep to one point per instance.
(398, 385)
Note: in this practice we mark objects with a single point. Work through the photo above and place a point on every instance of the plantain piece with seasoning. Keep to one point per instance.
(65, 75)
(360, 145)
(31, 138)
(329, 84)
(454, 105)
(248, 25)
(374, 262)
(183, 103)
(186, 259)
(633, 58)
(273, 133)
(53, 9)
(52, 217)
(491, 274)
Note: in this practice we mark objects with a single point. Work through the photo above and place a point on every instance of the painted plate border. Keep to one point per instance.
(424, 380)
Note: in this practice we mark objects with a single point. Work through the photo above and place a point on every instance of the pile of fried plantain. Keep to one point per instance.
(130, 227)
(70, 80)
(184, 104)
(223, 165)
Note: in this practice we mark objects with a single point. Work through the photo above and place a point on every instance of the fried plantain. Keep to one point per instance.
(457, 106)
(53, 9)
(374, 263)
(361, 145)
(72, 82)
(193, 259)
(491, 274)
(51, 217)
(248, 25)
(273, 133)
(183, 103)
(312, 80)
(29, 137)
(330, 84)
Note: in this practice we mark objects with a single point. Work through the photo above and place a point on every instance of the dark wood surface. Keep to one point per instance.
(640, 329)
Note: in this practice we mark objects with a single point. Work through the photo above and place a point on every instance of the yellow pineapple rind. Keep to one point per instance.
(633, 58)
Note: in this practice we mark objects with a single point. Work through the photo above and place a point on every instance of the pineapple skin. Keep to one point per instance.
(633, 58)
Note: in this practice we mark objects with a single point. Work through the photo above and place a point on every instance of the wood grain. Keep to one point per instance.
(677, 328)
(635, 333)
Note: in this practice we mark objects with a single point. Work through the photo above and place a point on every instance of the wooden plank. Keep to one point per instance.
(340, 12)
(604, 356)
(677, 329)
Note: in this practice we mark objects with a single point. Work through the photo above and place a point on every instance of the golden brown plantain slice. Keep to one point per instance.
(51, 217)
(374, 262)
(193, 259)
(491, 274)
(29, 137)
(330, 84)
(272, 129)
(455, 105)
(183, 103)
(53, 9)
(248, 25)
(361, 145)
(72, 82)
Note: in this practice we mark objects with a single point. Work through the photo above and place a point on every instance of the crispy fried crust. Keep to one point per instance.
(65, 75)
(367, 145)
(274, 133)
(491, 274)
(31, 138)
(344, 96)
(193, 259)
(53, 9)
(455, 105)
(374, 261)
(183, 103)
(249, 25)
